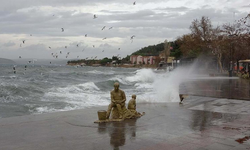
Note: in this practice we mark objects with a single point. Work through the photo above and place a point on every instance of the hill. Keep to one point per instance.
(152, 50)
(6, 61)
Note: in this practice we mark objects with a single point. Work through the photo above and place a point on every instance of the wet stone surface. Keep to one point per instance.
(220, 87)
(207, 122)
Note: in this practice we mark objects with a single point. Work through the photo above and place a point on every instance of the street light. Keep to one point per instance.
(231, 62)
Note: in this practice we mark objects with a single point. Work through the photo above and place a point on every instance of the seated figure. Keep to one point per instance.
(132, 107)
(118, 99)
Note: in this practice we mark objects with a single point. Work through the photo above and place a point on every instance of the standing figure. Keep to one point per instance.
(118, 99)
(14, 69)
(181, 98)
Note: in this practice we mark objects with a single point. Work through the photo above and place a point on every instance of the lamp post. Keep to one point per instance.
(231, 62)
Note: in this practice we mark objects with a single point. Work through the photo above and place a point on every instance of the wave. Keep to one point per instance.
(142, 75)
(101, 72)
(119, 79)
(88, 86)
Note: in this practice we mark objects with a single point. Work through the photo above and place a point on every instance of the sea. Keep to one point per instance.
(37, 89)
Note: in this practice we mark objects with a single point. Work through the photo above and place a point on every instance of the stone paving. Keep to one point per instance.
(200, 123)
(213, 122)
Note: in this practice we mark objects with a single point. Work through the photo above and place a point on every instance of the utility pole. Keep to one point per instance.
(166, 50)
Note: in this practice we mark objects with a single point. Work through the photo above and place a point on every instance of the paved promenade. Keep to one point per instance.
(200, 123)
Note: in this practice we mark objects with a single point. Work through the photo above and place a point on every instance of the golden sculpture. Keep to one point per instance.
(132, 107)
(118, 99)
(117, 107)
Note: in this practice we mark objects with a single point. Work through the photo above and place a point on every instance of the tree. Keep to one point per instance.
(105, 60)
(202, 33)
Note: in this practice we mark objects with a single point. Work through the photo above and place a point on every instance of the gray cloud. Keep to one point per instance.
(9, 44)
(44, 20)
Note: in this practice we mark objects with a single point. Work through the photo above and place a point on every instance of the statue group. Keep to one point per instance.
(117, 108)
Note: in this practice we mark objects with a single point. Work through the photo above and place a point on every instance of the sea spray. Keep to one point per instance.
(142, 75)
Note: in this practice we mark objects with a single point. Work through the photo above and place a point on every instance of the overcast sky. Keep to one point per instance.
(40, 23)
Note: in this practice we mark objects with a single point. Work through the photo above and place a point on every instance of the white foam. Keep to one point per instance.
(100, 72)
(119, 79)
(142, 75)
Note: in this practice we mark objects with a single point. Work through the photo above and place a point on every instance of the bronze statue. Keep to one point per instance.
(132, 106)
(118, 99)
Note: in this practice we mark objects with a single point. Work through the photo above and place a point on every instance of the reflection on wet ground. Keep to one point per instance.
(205, 123)
(118, 132)
(233, 88)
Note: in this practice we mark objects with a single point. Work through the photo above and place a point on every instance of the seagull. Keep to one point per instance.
(104, 38)
(23, 41)
(95, 17)
(103, 27)
(49, 47)
(60, 52)
(62, 29)
(86, 35)
(20, 57)
(110, 28)
(132, 37)
(68, 53)
(134, 3)
(52, 53)
(93, 45)
(77, 45)
(65, 46)
(119, 48)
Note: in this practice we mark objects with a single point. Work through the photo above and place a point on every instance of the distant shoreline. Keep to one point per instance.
(122, 66)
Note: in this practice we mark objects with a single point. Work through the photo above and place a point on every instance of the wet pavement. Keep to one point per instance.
(200, 123)
(223, 87)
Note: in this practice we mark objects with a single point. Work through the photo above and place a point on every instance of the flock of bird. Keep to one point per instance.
(57, 54)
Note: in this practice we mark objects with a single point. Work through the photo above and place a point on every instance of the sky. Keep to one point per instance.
(32, 29)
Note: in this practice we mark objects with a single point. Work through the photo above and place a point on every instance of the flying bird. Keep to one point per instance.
(132, 37)
(104, 38)
(20, 57)
(102, 50)
(95, 17)
(86, 35)
(49, 47)
(23, 41)
(65, 46)
(62, 29)
(103, 27)
(60, 52)
(110, 28)
(93, 45)
(119, 48)
(134, 3)
(77, 45)
(30, 34)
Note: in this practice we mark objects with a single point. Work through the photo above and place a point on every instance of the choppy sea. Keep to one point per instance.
(52, 88)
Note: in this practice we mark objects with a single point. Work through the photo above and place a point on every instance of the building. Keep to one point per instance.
(138, 59)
